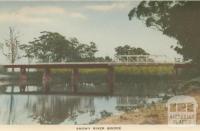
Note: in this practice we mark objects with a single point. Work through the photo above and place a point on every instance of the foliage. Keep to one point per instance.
(10, 47)
(128, 50)
(87, 52)
(151, 70)
(176, 19)
(53, 47)
(103, 59)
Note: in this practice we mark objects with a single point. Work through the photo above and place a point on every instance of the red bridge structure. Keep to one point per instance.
(125, 61)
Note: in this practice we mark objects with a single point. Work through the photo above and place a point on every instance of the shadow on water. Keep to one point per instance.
(51, 108)
(60, 109)
(92, 102)
(11, 106)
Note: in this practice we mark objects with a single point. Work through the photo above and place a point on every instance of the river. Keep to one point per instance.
(61, 108)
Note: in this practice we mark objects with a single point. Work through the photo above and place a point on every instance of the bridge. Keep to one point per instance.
(120, 60)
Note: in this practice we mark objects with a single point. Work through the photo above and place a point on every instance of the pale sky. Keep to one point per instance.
(104, 22)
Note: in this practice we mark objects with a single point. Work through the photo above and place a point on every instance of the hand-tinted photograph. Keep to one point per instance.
(99, 62)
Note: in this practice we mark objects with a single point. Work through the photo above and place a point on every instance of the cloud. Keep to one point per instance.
(38, 14)
(77, 15)
(109, 7)
(41, 10)
(21, 18)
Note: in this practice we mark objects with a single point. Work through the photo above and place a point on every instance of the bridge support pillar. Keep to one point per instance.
(46, 79)
(75, 79)
(110, 79)
(23, 79)
(177, 70)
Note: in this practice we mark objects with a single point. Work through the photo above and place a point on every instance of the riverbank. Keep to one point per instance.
(130, 70)
(4, 79)
(2, 83)
(154, 114)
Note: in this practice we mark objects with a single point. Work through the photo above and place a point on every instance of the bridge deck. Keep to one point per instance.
(90, 65)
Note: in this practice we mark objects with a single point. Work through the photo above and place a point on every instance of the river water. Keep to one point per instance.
(50, 108)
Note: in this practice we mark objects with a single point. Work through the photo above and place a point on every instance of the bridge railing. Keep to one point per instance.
(145, 59)
(127, 59)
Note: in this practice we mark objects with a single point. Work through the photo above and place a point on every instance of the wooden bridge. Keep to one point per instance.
(138, 60)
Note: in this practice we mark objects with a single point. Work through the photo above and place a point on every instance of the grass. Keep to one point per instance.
(123, 70)
(82, 71)
(122, 73)
(150, 70)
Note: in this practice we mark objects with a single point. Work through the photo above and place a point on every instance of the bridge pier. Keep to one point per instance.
(110, 79)
(46, 79)
(23, 79)
(75, 79)
(177, 70)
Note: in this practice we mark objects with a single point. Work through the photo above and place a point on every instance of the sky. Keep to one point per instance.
(104, 22)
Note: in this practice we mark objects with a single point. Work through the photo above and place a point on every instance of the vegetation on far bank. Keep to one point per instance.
(132, 70)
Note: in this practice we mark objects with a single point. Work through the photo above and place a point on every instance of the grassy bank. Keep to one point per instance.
(150, 70)
(98, 72)
(155, 70)
(153, 114)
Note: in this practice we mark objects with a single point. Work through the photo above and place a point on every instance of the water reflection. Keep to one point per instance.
(47, 109)
(17, 107)
(53, 88)
(52, 109)
(136, 89)
(60, 109)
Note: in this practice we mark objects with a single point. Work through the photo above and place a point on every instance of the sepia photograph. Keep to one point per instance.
(96, 63)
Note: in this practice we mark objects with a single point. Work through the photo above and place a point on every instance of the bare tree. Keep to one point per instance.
(10, 50)
(10, 46)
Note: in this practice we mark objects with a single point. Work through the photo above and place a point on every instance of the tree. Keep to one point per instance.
(176, 19)
(10, 49)
(49, 47)
(11, 46)
(28, 52)
(107, 59)
(103, 59)
(88, 51)
(53, 47)
(83, 52)
(128, 50)
(77, 49)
